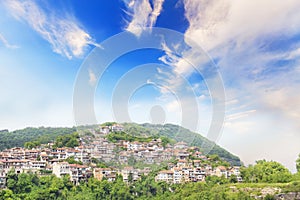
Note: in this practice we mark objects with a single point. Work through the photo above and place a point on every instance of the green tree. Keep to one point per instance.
(165, 140)
(214, 180)
(24, 184)
(32, 144)
(233, 179)
(69, 140)
(11, 180)
(41, 135)
(71, 160)
(298, 163)
(269, 197)
(266, 172)
(7, 195)
(108, 123)
(130, 178)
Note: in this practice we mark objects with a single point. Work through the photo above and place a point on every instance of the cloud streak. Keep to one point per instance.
(142, 14)
(64, 33)
(6, 43)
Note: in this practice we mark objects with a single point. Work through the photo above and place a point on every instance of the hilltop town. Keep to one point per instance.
(104, 153)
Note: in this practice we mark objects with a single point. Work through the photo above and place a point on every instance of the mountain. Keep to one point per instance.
(179, 134)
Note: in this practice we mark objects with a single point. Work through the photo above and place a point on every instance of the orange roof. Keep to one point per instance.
(128, 168)
(177, 168)
(102, 169)
(166, 172)
(184, 161)
(78, 166)
(66, 163)
(222, 168)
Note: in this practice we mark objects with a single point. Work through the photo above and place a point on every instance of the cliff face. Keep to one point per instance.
(288, 196)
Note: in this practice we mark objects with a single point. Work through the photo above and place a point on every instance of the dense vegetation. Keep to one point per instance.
(298, 164)
(68, 140)
(39, 135)
(266, 172)
(30, 186)
(178, 133)
(116, 136)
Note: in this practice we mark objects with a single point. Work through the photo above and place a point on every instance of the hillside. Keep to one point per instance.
(43, 135)
(179, 134)
(174, 132)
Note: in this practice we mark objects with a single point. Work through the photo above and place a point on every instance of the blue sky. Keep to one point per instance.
(254, 45)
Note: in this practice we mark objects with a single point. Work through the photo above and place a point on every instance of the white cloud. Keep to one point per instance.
(92, 78)
(6, 43)
(283, 101)
(218, 22)
(143, 14)
(294, 54)
(230, 31)
(173, 106)
(260, 88)
(157, 8)
(64, 33)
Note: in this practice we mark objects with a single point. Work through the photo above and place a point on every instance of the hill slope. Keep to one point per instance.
(44, 135)
(18, 138)
(178, 134)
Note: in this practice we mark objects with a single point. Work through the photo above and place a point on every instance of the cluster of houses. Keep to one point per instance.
(193, 171)
(46, 160)
(41, 161)
(151, 152)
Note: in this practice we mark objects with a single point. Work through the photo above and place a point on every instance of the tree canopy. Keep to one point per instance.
(266, 172)
(34, 136)
(298, 164)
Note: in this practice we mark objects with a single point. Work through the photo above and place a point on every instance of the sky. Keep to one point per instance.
(206, 61)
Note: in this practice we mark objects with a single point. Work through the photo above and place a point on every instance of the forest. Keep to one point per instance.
(41, 135)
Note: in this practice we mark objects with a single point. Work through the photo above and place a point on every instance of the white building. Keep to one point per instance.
(221, 171)
(79, 173)
(165, 175)
(60, 169)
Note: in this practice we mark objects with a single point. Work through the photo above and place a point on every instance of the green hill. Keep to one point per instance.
(179, 134)
(174, 132)
(43, 135)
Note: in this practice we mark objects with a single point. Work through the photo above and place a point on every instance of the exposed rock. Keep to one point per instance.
(288, 196)
(270, 191)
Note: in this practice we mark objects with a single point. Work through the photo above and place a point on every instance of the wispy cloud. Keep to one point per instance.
(64, 33)
(143, 14)
(6, 43)
(237, 116)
